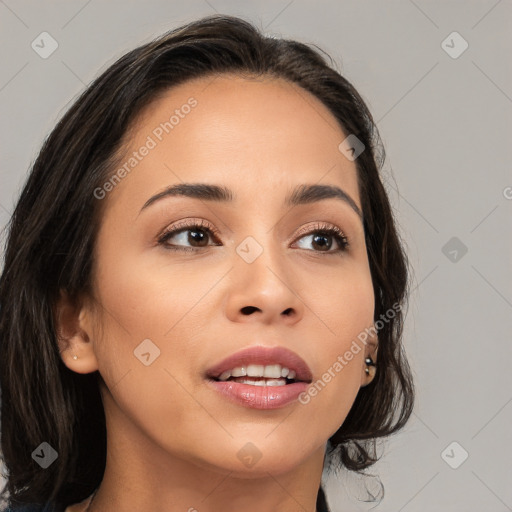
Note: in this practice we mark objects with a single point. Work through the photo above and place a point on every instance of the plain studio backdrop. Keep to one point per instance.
(437, 77)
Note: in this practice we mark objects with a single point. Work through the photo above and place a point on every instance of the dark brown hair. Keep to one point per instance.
(53, 230)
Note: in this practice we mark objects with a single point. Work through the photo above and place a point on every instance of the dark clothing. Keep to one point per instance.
(321, 502)
(321, 506)
(35, 508)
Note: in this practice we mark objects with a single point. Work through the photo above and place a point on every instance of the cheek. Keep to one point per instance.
(342, 300)
(148, 308)
(146, 296)
(147, 319)
(345, 310)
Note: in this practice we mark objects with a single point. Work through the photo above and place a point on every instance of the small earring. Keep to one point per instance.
(369, 363)
(75, 357)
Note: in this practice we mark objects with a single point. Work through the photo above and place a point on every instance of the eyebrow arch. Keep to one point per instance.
(306, 194)
(302, 194)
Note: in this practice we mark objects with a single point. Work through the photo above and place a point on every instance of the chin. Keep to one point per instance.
(259, 457)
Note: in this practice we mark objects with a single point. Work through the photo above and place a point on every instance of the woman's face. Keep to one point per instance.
(257, 272)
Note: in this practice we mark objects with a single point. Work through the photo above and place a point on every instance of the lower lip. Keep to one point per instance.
(259, 397)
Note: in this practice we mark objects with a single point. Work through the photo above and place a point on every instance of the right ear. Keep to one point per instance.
(73, 322)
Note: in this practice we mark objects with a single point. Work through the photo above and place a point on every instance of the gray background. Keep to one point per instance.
(446, 126)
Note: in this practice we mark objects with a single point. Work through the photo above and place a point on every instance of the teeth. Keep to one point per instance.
(271, 371)
(255, 370)
(276, 382)
(225, 375)
(241, 371)
(269, 382)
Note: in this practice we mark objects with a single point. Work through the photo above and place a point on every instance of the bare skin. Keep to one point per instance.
(173, 440)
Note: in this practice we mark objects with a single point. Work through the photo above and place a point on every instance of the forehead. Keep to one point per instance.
(240, 106)
(250, 131)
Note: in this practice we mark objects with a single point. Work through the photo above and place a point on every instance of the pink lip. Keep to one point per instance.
(261, 397)
(265, 356)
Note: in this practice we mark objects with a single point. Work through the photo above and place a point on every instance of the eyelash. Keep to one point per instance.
(319, 228)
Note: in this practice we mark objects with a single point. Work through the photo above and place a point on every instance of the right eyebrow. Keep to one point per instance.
(203, 191)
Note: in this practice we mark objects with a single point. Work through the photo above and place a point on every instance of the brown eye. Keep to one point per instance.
(195, 237)
(321, 239)
(187, 237)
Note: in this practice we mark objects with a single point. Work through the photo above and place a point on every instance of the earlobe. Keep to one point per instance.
(370, 362)
(370, 367)
(73, 338)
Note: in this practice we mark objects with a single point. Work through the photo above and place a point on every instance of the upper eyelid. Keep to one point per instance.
(319, 226)
(188, 224)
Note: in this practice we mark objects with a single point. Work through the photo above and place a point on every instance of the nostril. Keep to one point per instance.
(249, 309)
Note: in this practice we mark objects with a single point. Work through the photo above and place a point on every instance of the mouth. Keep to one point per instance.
(259, 375)
(260, 378)
(262, 366)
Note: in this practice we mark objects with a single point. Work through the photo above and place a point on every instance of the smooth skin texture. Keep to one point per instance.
(172, 440)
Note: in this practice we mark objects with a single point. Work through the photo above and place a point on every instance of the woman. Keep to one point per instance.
(198, 276)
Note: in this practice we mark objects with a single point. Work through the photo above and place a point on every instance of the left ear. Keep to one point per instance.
(370, 360)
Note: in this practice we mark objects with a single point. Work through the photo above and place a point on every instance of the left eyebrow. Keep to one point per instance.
(302, 194)
(306, 194)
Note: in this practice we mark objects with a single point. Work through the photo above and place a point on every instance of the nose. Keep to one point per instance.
(263, 290)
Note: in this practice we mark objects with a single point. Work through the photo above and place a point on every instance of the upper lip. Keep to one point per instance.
(258, 354)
